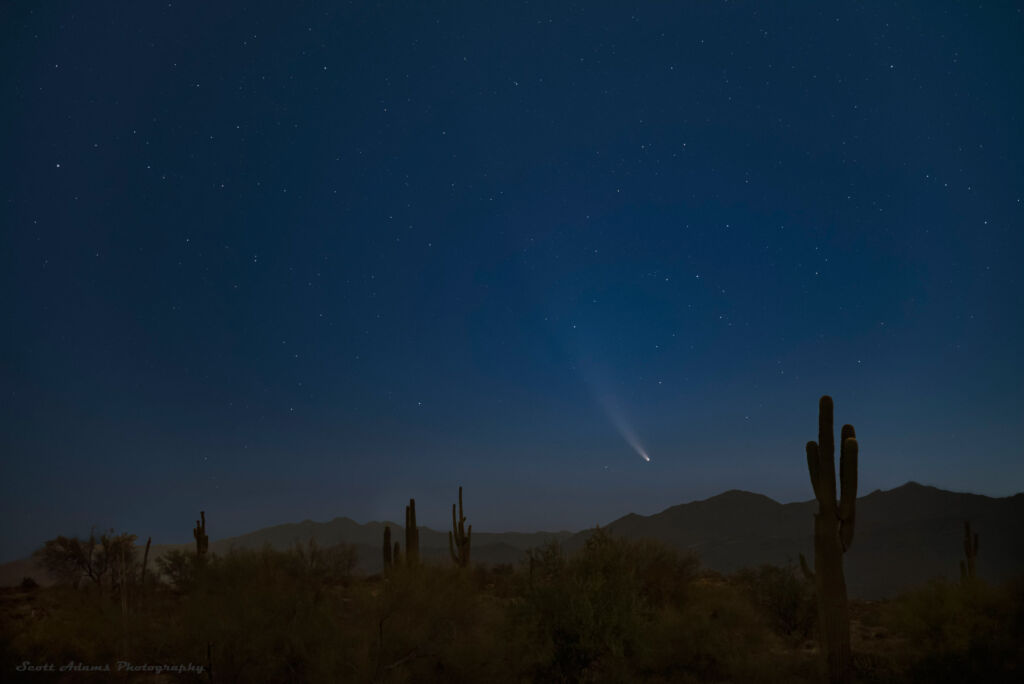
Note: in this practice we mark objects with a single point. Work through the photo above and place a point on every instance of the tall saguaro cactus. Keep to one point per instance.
(833, 535)
(967, 568)
(458, 538)
(202, 541)
(387, 547)
(412, 535)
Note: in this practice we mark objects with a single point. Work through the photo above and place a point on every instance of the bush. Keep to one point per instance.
(630, 611)
(265, 616)
(784, 598)
(616, 611)
(580, 614)
(105, 562)
(178, 567)
(969, 632)
(330, 566)
(72, 624)
(716, 636)
(430, 624)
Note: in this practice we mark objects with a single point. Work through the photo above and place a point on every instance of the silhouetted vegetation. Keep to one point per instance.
(833, 535)
(412, 536)
(459, 539)
(784, 599)
(202, 539)
(615, 611)
(104, 562)
(967, 632)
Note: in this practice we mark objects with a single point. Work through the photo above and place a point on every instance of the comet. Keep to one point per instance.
(599, 382)
(618, 418)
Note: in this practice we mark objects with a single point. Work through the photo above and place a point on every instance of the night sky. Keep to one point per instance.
(306, 260)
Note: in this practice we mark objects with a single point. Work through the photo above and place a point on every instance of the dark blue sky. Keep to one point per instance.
(286, 262)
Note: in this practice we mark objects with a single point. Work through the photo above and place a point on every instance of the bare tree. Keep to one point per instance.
(71, 560)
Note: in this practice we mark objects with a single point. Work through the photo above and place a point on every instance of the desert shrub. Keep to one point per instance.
(784, 598)
(631, 611)
(716, 635)
(431, 624)
(616, 611)
(72, 624)
(581, 614)
(329, 566)
(969, 632)
(178, 568)
(545, 563)
(270, 616)
(500, 579)
(264, 616)
(664, 574)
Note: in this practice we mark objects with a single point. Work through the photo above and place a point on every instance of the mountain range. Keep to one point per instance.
(903, 537)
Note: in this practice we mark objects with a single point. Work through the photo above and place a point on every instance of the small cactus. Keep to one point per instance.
(459, 538)
(412, 535)
(387, 547)
(202, 540)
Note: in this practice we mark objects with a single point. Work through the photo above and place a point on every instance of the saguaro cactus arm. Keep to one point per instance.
(813, 468)
(848, 485)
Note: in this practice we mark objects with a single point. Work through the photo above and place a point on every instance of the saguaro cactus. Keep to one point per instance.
(458, 538)
(970, 551)
(387, 547)
(412, 535)
(202, 541)
(833, 535)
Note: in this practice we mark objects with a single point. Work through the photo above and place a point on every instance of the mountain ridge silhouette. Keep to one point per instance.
(904, 536)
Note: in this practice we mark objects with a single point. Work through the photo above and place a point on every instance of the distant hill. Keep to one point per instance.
(903, 537)
(346, 530)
